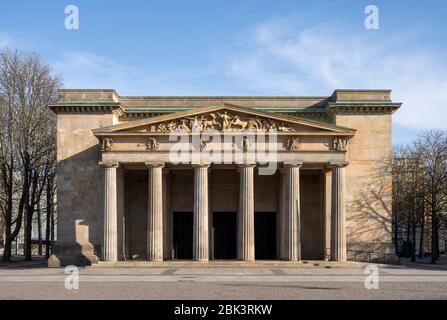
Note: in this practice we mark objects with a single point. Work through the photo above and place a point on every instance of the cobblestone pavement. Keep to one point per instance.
(223, 283)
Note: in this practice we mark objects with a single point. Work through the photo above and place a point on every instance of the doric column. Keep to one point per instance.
(110, 241)
(282, 213)
(155, 213)
(293, 216)
(200, 251)
(167, 223)
(338, 215)
(246, 228)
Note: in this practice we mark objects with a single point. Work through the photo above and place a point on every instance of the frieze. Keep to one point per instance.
(225, 121)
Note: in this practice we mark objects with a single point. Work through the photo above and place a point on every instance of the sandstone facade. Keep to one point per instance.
(120, 196)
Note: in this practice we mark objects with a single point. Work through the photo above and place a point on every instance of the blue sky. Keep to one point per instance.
(245, 48)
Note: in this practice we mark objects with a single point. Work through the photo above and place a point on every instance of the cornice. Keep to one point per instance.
(87, 107)
(350, 107)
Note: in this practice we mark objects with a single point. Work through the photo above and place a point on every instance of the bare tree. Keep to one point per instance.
(27, 138)
(420, 190)
(433, 146)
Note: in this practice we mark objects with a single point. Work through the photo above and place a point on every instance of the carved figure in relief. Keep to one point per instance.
(293, 144)
(184, 125)
(195, 124)
(254, 124)
(226, 120)
(245, 144)
(340, 144)
(210, 124)
(171, 126)
(223, 122)
(106, 144)
(236, 121)
(152, 144)
(162, 128)
(284, 128)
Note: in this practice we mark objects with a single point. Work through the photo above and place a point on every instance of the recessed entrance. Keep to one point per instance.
(182, 237)
(224, 235)
(265, 235)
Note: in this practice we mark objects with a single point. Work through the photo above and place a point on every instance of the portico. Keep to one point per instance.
(279, 218)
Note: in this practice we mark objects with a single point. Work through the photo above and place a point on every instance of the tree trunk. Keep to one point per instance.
(8, 243)
(27, 234)
(49, 215)
(30, 202)
(421, 238)
(47, 236)
(39, 229)
(413, 232)
(413, 243)
(434, 235)
(408, 251)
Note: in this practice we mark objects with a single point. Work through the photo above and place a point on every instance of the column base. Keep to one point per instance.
(78, 254)
(293, 260)
(246, 260)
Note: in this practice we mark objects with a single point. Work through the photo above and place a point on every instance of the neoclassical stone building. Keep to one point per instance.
(210, 178)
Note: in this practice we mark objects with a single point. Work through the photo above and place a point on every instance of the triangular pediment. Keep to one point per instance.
(223, 118)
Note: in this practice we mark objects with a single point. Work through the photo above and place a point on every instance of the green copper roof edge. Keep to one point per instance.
(85, 102)
(155, 109)
(362, 102)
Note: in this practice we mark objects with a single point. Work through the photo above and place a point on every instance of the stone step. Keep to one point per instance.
(222, 264)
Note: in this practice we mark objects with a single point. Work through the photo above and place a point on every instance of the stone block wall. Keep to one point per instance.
(79, 188)
(368, 182)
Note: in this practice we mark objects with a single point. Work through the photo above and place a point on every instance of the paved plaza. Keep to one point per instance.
(35, 281)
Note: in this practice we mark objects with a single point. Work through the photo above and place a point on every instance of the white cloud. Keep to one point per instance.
(276, 58)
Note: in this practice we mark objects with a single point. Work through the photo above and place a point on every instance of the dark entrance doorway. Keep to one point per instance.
(265, 235)
(224, 235)
(182, 236)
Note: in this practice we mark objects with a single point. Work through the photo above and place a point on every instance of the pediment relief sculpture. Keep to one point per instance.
(225, 121)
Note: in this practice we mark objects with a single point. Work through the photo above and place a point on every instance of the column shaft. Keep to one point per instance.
(167, 223)
(293, 216)
(338, 224)
(110, 241)
(246, 229)
(155, 214)
(282, 214)
(200, 219)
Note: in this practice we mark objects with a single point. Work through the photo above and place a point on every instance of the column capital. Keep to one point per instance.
(333, 165)
(246, 165)
(154, 164)
(109, 164)
(201, 165)
(297, 164)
